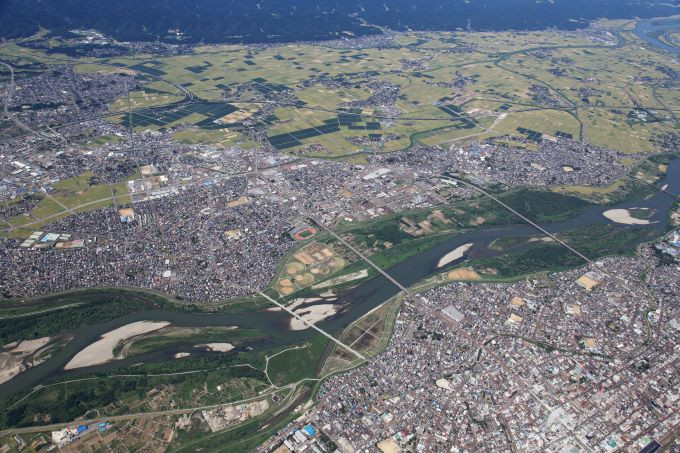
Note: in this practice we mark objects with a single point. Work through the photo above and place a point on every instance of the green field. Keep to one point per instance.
(78, 194)
(293, 365)
(222, 137)
(594, 241)
(184, 337)
(49, 315)
(590, 89)
(316, 101)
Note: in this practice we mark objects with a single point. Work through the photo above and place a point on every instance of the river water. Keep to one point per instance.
(644, 27)
(356, 302)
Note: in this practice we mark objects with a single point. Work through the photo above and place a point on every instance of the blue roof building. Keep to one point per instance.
(309, 430)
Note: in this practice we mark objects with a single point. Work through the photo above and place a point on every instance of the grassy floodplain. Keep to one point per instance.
(244, 374)
(501, 73)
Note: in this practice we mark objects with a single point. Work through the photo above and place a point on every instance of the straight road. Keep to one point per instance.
(660, 189)
(363, 257)
(535, 225)
(115, 198)
(13, 118)
(58, 426)
(313, 326)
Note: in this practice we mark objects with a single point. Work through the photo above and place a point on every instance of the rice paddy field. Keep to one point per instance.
(432, 88)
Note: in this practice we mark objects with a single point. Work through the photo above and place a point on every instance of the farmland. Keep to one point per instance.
(435, 88)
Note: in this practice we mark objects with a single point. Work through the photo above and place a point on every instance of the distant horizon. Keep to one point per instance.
(241, 21)
(222, 228)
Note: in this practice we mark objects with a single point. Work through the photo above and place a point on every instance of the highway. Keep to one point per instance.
(617, 277)
(660, 189)
(124, 417)
(125, 197)
(190, 98)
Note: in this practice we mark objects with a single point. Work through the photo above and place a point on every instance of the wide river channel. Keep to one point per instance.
(356, 302)
(646, 29)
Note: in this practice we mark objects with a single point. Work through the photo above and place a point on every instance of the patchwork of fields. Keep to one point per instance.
(424, 88)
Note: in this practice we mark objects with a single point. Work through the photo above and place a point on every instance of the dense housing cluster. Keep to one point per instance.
(555, 162)
(213, 173)
(204, 226)
(591, 368)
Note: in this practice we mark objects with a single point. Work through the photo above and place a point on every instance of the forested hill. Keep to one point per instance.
(249, 21)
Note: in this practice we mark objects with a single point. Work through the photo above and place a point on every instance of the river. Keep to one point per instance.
(356, 302)
(644, 27)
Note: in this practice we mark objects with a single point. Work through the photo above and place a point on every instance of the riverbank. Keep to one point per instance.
(101, 351)
(88, 320)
